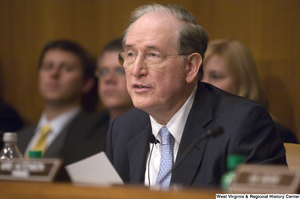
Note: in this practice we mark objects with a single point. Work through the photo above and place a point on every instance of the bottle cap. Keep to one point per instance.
(234, 160)
(10, 137)
(35, 154)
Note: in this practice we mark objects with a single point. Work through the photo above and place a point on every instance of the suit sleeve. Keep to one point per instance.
(256, 137)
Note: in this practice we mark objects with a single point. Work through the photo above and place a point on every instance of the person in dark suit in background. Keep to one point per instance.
(88, 136)
(10, 120)
(163, 53)
(230, 66)
(67, 85)
(112, 88)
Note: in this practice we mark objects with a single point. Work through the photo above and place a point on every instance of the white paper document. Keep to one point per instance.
(96, 169)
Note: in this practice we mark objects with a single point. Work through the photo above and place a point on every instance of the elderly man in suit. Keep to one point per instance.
(163, 53)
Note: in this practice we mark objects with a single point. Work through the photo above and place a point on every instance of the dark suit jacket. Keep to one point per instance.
(55, 149)
(249, 130)
(9, 118)
(10, 121)
(84, 136)
(285, 134)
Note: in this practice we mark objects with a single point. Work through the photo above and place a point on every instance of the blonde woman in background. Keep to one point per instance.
(230, 66)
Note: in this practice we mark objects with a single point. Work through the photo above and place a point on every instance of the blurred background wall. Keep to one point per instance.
(270, 28)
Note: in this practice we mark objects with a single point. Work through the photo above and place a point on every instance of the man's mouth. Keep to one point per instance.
(140, 87)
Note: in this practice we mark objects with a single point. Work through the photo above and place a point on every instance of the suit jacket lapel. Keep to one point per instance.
(56, 147)
(138, 148)
(24, 137)
(198, 120)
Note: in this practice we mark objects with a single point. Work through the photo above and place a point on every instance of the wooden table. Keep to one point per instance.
(41, 190)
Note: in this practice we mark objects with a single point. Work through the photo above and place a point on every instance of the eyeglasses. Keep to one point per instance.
(151, 59)
(102, 72)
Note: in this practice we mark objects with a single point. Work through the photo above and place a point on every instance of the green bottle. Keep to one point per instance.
(233, 160)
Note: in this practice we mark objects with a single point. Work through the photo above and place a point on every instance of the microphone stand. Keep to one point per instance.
(153, 141)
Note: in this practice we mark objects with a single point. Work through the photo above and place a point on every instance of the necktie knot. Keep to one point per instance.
(166, 136)
(45, 130)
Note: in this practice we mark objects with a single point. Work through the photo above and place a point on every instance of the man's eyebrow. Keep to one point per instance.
(147, 47)
(154, 48)
(128, 46)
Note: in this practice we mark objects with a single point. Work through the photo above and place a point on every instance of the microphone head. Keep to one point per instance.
(152, 139)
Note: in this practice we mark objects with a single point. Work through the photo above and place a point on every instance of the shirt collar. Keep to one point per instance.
(177, 122)
(59, 122)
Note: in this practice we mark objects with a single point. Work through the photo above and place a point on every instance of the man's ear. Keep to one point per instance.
(88, 85)
(194, 61)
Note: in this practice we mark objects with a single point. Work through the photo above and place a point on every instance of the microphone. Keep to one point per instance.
(152, 139)
(214, 132)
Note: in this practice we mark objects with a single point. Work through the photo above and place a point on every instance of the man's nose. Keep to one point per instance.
(138, 67)
(55, 71)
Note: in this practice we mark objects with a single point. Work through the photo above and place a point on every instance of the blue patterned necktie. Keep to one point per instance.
(166, 161)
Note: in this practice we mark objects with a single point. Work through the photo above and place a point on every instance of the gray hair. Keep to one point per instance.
(191, 37)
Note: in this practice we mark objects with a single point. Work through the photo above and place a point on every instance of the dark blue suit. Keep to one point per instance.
(85, 135)
(249, 130)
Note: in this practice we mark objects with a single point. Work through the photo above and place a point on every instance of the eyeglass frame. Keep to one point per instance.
(115, 71)
(122, 60)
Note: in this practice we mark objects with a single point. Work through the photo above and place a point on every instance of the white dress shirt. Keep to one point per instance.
(175, 126)
(57, 125)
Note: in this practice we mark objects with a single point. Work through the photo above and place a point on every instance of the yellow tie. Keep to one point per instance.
(41, 142)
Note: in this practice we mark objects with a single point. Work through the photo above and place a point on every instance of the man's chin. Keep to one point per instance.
(59, 101)
(142, 105)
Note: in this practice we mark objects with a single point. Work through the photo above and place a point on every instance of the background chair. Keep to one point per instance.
(293, 155)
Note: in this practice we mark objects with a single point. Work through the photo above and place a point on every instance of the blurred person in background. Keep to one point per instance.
(112, 81)
(67, 86)
(10, 120)
(113, 96)
(230, 66)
